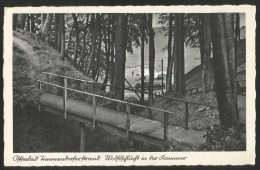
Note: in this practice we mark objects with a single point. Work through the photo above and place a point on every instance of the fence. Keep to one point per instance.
(94, 97)
(157, 95)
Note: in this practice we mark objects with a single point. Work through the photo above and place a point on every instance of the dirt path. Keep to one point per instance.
(35, 65)
(26, 48)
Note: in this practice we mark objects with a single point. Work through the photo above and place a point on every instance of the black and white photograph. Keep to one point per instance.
(129, 85)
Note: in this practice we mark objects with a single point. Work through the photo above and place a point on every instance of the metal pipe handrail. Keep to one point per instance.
(107, 98)
(128, 124)
(91, 82)
(167, 97)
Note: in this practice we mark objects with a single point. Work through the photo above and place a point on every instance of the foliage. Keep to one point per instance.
(220, 140)
(163, 19)
(135, 25)
(177, 146)
(192, 28)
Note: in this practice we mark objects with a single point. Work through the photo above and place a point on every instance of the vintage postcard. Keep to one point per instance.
(129, 85)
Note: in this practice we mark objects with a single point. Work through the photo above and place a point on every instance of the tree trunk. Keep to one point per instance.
(227, 111)
(43, 18)
(120, 54)
(83, 44)
(205, 61)
(237, 39)
(58, 26)
(28, 22)
(56, 32)
(201, 41)
(97, 75)
(107, 48)
(173, 58)
(21, 21)
(59, 33)
(237, 27)
(175, 61)
(32, 24)
(143, 25)
(237, 35)
(15, 21)
(98, 47)
(151, 60)
(47, 27)
(76, 41)
(229, 27)
(112, 50)
(68, 46)
(169, 67)
(93, 40)
(62, 28)
(180, 53)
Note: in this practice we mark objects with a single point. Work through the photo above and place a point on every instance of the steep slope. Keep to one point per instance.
(31, 57)
(193, 77)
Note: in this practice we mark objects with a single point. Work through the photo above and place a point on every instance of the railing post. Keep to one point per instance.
(48, 81)
(82, 137)
(65, 98)
(93, 88)
(127, 119)
(150, 114)
(48, 77)
(166, 130)
(186, 115)
(39, 96)
(162, 76)
(94, 112)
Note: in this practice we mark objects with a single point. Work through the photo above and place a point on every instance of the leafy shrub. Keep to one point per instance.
(219, 140)
(177, 146)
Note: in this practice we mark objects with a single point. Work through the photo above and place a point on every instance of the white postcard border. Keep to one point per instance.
(192, 158)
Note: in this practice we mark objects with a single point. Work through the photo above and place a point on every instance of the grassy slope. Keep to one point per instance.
(31, 57)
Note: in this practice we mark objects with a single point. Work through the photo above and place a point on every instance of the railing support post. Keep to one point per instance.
(39, 96)
(162, 76)
(127, 119)
(65, 94)
(166, 118)
(94, 112)
(186, 115)
(48, 81)
(82, 137)
(48, 78)
(166, 128)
